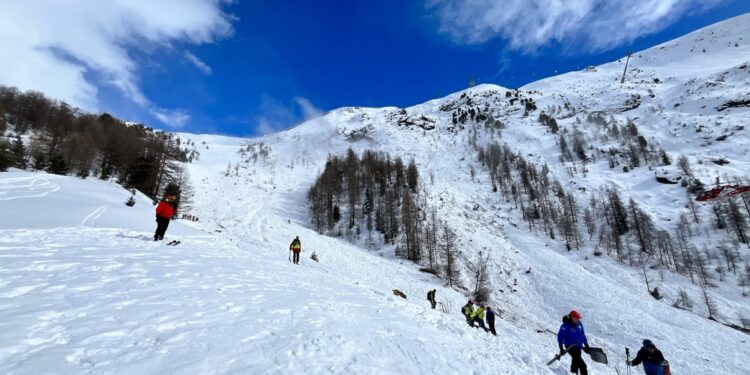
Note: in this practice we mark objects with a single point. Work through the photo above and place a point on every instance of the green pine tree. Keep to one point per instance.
(6, 157)
(39, 162)
(19, 153)
(57, 165)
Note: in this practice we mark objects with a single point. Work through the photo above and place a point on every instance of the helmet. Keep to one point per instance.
(575, 315)
(648, 344)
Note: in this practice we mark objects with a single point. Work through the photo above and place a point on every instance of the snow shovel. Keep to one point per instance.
(598, 355)
(557, 357)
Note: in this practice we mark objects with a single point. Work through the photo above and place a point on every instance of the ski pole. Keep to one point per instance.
(627, 360)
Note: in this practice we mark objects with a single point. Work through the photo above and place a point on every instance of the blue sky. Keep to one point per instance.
(252, 67)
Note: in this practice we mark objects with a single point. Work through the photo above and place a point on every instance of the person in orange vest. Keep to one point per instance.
(164, 212)
(295, 248)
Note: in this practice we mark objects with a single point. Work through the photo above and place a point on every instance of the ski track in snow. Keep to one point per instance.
(26, 187)
(90, 220)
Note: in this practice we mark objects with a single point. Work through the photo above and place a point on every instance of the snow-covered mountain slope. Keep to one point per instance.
(688, 93)
(279, 168)
(75, 299)
(78, 298)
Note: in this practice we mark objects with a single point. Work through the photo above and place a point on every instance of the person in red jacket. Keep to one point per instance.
(164, 213)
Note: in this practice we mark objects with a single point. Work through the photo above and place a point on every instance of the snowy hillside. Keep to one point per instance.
(43, 201)
(83, 290)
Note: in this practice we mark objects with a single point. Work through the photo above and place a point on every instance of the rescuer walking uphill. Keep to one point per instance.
(431, 298)
(295, 247)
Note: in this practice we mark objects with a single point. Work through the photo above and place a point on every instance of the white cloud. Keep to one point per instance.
(58, 47)
(202, 66)
(589, 25)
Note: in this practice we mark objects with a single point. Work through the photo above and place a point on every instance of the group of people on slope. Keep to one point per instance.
(478, 314)
(571, 338)
(190, 217)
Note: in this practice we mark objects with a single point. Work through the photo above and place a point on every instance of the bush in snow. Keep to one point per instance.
(5, 157)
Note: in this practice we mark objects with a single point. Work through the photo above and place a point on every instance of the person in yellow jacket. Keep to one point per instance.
(467, 310)
(478, 316)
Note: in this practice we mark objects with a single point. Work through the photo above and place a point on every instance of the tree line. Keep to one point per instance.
(38, 133)
(606, 222)
(622, 229)
(378, 200)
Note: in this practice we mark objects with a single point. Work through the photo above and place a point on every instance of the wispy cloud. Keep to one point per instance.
(275, 115)
(58, 47)
(176, 118)
(584, 25)
(307, 109)
(202, 66)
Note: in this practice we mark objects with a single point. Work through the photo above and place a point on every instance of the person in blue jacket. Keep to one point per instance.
(652, 359)
(571, 335)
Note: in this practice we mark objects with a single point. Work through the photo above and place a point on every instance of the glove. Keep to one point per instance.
(627, 362)
(562, 351)
(586, 349)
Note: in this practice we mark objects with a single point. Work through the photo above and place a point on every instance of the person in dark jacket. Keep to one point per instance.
(490, 317)
(652, 359)
(431, 297)
(164, 212)
(571, 334)
(468, 310)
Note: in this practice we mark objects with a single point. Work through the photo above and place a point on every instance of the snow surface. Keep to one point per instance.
(83, 290)
(40, 201)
